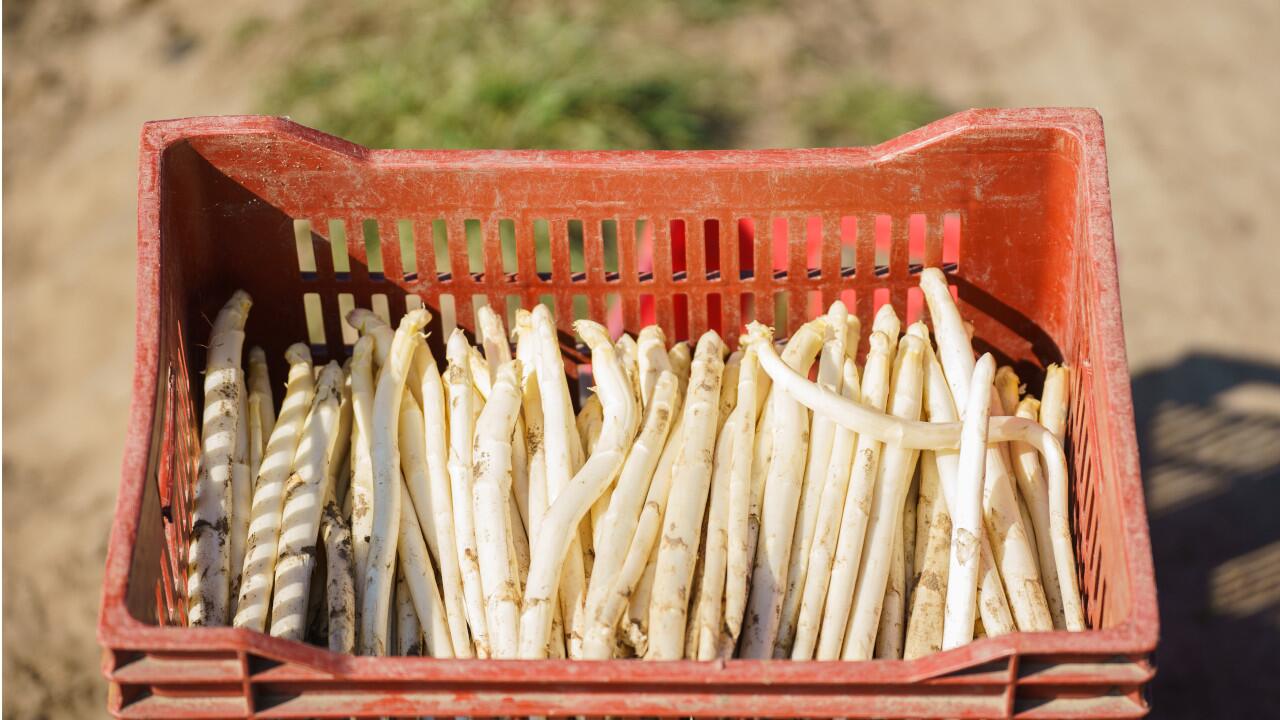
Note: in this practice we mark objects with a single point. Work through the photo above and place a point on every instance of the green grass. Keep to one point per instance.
(539, 74)
(501, 73)
(865, 112)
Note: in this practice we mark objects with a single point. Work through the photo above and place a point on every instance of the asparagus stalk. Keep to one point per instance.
(624, 510)
(408, 629)
(781, 501)
(575, 499)
(1053, 415)
(340, 591)
(563, 455)
(260, 387)
(962, 574)
(896, 466)
(1018, 566)
(822, 433)
(361, 490)
(928, 599)
(491, 458)
(651, 360)
(993, 607)
(209, 564)
(436, 447)
(840, 583)
(709, 599)
(375, 602)
(461, 432)
(258, 574)
(303, 494)
(682, 524)
(631, 589)
(835, 487)
(740, 552)
(241, 496)
(420, 577)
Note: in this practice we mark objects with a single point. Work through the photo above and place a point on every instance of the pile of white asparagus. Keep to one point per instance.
(698, 506)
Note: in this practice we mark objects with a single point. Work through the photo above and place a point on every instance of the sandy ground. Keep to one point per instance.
(1189, 99)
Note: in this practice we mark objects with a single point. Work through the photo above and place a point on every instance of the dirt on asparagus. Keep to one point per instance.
(1189, 101)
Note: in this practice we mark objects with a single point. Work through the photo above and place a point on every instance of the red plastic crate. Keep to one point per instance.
(1012, 203)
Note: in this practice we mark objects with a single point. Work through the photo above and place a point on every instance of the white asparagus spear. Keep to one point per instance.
(691, 637)
(924, 626)
(209, 563)
(962, 573)
(361, 490)
(339, 454)
(993, 607)
(303, 496)
(915, 435)
(1053, 400)
(729, 388)
(497, 350)
(709, 599)
(260, 386)
(821, 438)
(531, 416)
(367, 323)
(1014, 552)
(626, 504)
(340, 591)
(629, 353)
(258, 573)
(408, 629)
(651, 361)
(680, 357)
(633, 586)
(838, 585)
(781, 500)
(1010, 540)
(518, 543)
(739, 552)
(241, 497)
(480, 377)
(458, 383)
(412, 436)
(1053, 415)
(563, 455)
(892, 477)
(588, 422)
(324, 624)
(493, 337)
(761, 460)
(1031, 489)
(257, 439)
(835, 487)
(892, 624)
(441, 504)
(909, 534)
(420, 576)
(641, 599)
(690, 483)
(491, 459)
(924, 507)
(575, 499)
(375, 602)
(1036, 524)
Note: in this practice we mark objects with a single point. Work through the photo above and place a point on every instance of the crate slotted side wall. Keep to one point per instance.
(260, 203)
